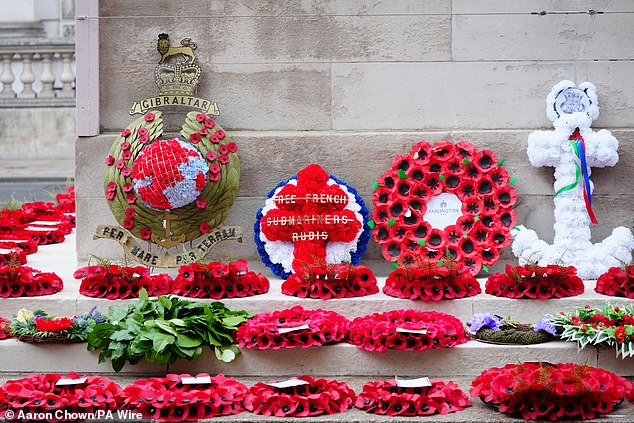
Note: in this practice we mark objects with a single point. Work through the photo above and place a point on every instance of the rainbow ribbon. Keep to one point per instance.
(581, 167)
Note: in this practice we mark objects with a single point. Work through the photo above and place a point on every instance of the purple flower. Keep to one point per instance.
(484, 320)
(545, 325)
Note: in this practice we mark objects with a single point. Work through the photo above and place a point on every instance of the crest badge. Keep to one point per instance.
(176, 75)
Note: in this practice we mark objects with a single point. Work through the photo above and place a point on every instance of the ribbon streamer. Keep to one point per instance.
(581, 170)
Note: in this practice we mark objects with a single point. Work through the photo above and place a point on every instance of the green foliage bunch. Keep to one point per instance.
(165, 328)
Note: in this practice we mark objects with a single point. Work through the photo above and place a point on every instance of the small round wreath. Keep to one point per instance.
(12, 241)
(5, 329)
(317, 397)
(617, 282)
(333, 281)
(24, 281)
(312, 219)
(292, 328)
(14, 256)
(491, 328)
(538, 391)
(219, 280)
(37, 394)
(120, 282)
(168, 399)
(476, 178)
(536, 282)
(386, 397)
(411, 330)
(432, 281)
(128, 185)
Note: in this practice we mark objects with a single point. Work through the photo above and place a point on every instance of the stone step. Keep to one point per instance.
(336, 360)
(60, 258)
(477, 412)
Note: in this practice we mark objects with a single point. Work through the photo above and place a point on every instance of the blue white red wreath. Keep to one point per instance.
(281, 257)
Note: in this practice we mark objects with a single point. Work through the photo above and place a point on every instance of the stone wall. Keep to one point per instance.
(351, 84)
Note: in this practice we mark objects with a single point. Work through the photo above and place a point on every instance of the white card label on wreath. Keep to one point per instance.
(68, 381)
(44, 223)
(17, 241)
(40, 229)
(443, 210)
(287, 383)
(5, 251)
(416, 331)
(196, 380)
(292, 329)
(420, 382)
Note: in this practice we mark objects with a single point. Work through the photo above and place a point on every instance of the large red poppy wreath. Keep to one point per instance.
(444, 201)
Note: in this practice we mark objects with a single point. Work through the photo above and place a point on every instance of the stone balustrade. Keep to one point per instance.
(37, 73)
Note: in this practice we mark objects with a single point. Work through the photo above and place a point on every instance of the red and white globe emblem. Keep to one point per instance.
(169, 174)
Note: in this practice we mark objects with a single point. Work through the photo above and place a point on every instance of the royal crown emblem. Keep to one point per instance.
(176, 75)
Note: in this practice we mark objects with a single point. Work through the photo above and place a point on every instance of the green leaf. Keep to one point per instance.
(185, 341)
(122, 335)
(421, 242)
(371, 224)
(226, 356)
(501, 162)
(395, 265)
(375, 185)
(143, 296)
(166, 326)
(162, 341)
(391, 222)
(165, 301)
(512, 180)
(441, 177)
(233, 320)
(466, 162)
(117, 313)
(402, 174)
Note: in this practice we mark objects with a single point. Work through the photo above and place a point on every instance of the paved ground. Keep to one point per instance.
(34, 180)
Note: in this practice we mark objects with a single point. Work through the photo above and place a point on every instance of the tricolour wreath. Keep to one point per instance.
(444, 200)
(309, 221)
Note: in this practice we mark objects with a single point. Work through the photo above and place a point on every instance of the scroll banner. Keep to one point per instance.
(201, 104)
(199, 247)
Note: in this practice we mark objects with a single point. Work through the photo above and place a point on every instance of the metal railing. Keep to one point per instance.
(37, 73)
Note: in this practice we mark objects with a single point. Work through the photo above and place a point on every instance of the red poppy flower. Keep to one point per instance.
(130, 199)
(194, 138)
(211, 156)
(220, 134)
(128, 223)
(223, 149)
(233, 147)
(144, 139)
(110, 195)
(142, 131)
(120, 164)
(149, 117)
(223, 159)
(125, 146)
(209, 123)
(127, 187)
(126, 155)
(619, 334)
(200, 117)
(126, 172)
(214, 138)
(129, 212)
(204, 228)
(125, 133)
(201, 204)
(109, 160)
(214, 177)
(146, 233)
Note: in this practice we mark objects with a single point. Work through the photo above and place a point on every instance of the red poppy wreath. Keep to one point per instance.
(432, 281)
(387, 397)
(536, 391)
(292, 328)
(58, 397)
(617, 282)
(24, 281)
(444, 200)
(219, 280)
(533, 281)
(307, 397)
(411, 330)
(331, 281)
(176, 398)
(120, 282)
